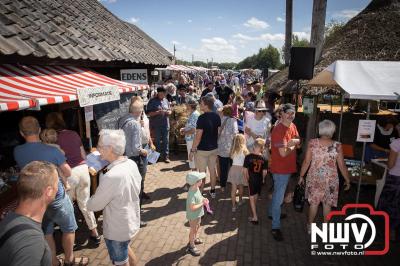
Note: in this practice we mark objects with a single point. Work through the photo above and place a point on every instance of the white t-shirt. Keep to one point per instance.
(259, 127)
(238, 159)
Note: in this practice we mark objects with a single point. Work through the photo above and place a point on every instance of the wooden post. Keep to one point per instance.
(318, 27)
(288, 30)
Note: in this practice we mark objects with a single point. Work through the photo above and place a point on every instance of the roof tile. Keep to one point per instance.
(74, 29)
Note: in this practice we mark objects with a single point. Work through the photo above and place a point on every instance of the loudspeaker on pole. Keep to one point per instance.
(301, 63)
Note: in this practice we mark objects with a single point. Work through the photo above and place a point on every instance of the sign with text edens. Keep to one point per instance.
(136, 76)
(96, 95)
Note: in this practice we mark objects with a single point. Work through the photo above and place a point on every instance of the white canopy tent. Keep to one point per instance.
(366, 80)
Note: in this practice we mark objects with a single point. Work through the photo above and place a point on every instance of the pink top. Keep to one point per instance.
(235, 110)
(70, 143)
(395, 146)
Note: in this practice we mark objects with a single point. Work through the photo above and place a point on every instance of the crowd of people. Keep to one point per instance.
(235, 132)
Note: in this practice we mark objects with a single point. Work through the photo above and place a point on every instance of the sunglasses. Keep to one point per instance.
(262, 111)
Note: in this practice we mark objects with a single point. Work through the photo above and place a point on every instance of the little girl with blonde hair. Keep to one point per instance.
(49, 136)
(235, 176)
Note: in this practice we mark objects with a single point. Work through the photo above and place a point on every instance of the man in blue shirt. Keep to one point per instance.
(60, 211)
(159, 111)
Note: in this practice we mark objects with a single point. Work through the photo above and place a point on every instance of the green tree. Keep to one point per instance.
(296, 42)
(265, 58)
(331, 30)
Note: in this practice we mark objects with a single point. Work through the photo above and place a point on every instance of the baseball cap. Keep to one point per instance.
(288, 107)
(161, 89)
(250, 106)
(193, 177)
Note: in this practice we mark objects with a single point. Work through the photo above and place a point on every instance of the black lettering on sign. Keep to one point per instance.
(133, 76)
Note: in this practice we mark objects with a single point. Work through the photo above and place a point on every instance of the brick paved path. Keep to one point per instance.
(228, 238)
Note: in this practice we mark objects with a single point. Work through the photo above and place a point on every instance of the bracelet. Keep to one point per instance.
(194, 151)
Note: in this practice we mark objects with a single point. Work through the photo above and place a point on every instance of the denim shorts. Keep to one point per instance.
(61, 212)
(118, 251)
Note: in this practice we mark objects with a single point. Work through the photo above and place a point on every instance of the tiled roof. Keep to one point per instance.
(71, 29)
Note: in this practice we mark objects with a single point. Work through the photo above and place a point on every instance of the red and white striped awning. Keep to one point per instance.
(179, 68)
(23, 87)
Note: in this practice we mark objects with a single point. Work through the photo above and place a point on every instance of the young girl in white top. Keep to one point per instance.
(235, 176)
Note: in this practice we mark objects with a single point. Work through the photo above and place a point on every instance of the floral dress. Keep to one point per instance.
(322, 182)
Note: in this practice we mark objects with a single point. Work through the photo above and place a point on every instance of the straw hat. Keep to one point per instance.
(260, 106)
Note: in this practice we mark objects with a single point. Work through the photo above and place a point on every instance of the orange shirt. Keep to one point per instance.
(279, 138)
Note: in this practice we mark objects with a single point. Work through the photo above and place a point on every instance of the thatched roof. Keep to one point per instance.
(374, 35)
(74, 30)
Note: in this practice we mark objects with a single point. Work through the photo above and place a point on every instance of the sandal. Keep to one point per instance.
(253, 221)
(60, 261)
(82, 261)
(198, 241)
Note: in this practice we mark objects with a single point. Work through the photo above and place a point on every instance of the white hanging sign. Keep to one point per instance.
(96, 95)
(366, 130)
(135, 76)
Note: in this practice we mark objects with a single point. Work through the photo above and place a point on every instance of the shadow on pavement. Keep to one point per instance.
(172, 258)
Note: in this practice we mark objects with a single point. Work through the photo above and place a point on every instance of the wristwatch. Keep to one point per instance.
(193, 150)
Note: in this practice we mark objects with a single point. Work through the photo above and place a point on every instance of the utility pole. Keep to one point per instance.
(174, 55)
(192, 58)
(212, 61)
(288, 30)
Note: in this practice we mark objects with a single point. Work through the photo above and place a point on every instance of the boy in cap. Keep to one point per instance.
(194, 209)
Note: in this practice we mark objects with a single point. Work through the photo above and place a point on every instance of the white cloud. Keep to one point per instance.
(279, 19)
(217, 44)
(175, 42)
(134, 20)
(272, 37)
(263, 37)
(255, 23)
(190, 21)
(302, 34)
(346, 13)
(244, 37)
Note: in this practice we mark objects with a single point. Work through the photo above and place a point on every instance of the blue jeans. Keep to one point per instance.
(280, 184)
(162, 140)
(61, 212)
(118, 251)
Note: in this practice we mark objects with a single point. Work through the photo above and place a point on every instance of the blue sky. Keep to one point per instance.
(223, 30)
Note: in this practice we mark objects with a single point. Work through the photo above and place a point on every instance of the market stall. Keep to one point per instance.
(366, 80)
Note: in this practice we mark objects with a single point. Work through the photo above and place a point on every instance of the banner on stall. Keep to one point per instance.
(366, 130)
(308, 106)
(135, 76)
(89, 113)
(95, 95)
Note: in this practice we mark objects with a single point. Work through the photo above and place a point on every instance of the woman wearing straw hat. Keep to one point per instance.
(260, 126)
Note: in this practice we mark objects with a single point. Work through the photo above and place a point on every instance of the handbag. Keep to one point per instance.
(299, 198)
